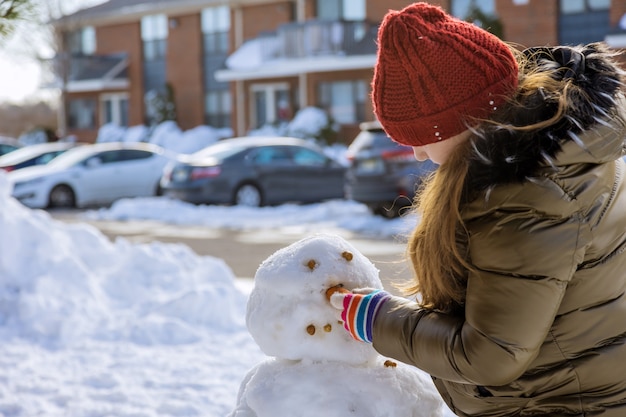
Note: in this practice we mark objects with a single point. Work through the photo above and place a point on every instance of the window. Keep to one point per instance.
(115, 109)
(583, 21)
(272, 155)
(272, 104)
(462, 8)
(344, 100)
(82, 41)
(341, 10)
(154, 36)
(215, 24)
(134, 154)
(582, 6)
(215, 28)
(218, 108)
(82, 114)
(307, 157)
(154, 31)
(119, 155)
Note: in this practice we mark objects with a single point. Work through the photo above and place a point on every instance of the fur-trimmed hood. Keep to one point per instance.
(593, 123)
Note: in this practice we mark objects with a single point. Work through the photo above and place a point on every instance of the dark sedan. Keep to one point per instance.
(383, 175)
(255, 171)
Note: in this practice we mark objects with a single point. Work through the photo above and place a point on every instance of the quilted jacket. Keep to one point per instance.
(542, 331)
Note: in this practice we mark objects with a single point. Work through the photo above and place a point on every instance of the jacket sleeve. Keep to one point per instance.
(523, 262)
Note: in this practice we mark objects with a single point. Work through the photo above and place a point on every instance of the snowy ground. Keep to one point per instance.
(310, 218)
(94, 328)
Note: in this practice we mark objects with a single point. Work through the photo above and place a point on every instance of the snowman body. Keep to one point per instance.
(314, 367)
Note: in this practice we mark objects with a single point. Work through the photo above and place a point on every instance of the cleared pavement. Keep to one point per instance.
(243, 251)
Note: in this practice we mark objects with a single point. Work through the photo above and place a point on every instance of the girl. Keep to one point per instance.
(520, 255)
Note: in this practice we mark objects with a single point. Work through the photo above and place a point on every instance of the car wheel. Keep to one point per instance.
(248, 195)
(62, 196)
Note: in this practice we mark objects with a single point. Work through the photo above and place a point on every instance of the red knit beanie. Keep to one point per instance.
(435, 74)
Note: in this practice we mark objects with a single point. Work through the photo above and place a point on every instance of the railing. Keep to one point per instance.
(93, 66)
(312, 38)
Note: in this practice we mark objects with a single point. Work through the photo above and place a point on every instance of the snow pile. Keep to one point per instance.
(334, 215)
(167, 135)
(308, 122)
(253, 52)
(101, 294)
(95, 328)
(316, 368)
(91, 327)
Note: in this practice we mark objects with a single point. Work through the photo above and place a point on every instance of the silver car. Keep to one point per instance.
(95, 174)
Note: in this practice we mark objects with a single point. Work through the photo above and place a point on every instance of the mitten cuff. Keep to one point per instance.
(359, 312)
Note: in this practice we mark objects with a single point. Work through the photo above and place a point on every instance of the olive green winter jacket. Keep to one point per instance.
(544, 326)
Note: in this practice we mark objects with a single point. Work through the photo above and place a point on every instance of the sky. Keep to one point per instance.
(20, 72)
(93, 328)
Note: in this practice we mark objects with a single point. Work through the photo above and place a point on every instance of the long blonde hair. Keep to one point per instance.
(433, 245)
(436, 247)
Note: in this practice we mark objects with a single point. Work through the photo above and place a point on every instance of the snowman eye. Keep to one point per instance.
(311, 264)
(347, 256)
(310, 329)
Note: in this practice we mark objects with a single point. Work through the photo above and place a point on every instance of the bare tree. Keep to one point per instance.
(36, 39)
(12, 11)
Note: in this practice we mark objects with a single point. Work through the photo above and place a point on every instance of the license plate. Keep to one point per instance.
(180, 175)
(370, 166)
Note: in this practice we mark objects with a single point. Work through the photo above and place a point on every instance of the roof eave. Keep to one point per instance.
(133, 13)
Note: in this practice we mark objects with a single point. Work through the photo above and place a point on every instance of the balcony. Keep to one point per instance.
(315, 38)
(302, 47)
(82, 73)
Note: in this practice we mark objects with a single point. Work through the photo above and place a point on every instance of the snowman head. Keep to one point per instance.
(288, 314)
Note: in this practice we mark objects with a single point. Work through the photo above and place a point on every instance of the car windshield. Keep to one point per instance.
(71, 157)
(21, 154)
(374, 140)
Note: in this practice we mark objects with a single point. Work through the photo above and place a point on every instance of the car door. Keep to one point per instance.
(141, 171)
(316, 176)
(100, 180)
(273, 166)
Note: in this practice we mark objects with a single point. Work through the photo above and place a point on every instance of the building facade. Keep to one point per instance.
(247, 63)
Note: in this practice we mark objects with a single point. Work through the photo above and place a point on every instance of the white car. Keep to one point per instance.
(90, 175)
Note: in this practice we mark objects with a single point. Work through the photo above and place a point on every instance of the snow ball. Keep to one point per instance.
(287, 312)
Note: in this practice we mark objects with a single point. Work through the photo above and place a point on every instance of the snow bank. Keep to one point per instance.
(76, 284)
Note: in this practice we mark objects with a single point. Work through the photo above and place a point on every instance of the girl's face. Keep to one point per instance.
(438, 152)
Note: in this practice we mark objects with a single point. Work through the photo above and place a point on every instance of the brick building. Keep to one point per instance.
(245, 63)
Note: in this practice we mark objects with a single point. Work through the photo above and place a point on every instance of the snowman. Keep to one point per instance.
(314, 367)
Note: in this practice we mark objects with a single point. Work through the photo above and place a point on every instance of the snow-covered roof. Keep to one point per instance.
(128, 10)
(116, 9)
(261, 58)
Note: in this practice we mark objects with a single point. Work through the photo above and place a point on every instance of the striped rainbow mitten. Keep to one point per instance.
(359, 311)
